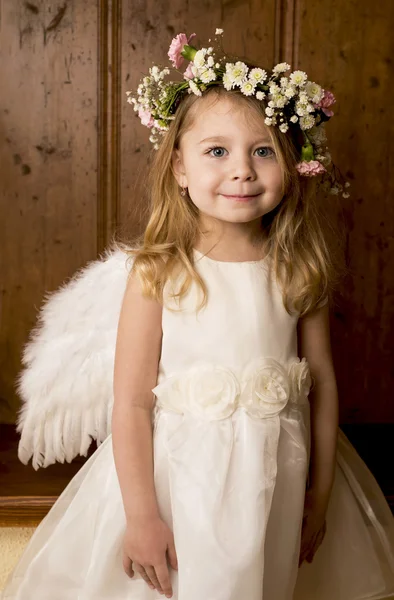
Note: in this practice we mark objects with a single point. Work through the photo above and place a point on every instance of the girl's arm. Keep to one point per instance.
(314, 344)
(138, 349)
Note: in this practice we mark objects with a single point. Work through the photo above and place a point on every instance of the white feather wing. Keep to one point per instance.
(67, 382)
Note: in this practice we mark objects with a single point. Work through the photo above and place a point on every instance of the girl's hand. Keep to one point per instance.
(146, 544)
(313, 526)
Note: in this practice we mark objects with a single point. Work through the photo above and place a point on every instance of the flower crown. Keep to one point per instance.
(291, 102)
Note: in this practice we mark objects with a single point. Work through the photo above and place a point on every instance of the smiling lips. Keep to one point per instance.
(241, 198)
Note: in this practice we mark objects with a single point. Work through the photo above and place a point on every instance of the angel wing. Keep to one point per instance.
(67, 380)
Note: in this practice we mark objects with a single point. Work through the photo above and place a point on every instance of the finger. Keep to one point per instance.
(306, 543)
(306, 549)
(172, 557)
(164, 579)
(128, 565)
(153, 577)
(316, 543)
(140, 569)
(319, 540)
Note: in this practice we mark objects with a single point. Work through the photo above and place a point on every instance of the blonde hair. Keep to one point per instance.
(296, 233)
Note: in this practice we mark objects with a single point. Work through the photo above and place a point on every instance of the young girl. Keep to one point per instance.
(240, 490)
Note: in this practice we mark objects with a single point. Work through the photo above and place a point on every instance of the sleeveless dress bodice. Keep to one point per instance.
(244, 319)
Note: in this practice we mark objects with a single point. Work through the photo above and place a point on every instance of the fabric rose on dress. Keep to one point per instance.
(170, 394)
(210, 392)
(268, 389)
(300, 379)
(174, 52)
(311, 168)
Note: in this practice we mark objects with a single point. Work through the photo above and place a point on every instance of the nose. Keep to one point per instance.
(242, 169)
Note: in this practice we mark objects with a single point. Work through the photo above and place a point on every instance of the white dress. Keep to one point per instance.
(231, 452)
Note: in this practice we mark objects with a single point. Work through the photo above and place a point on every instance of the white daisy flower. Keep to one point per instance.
(280, 68)
(199, 58)
(298, 78)
(227, 82)
(248, 88)
(260, 95)
(194, 88)
(257, 75)
(300, 109)
(284, 127)
(314, 91)
(289, 92)
(237, 71)
(303, 98)
(284, 82)
(294, 119)
(269, 111)
(208, 75)
(274, 88)
(307, 122)
(279, 100)
(268, 121)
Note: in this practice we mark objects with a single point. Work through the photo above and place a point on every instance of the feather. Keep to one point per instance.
(66, 385)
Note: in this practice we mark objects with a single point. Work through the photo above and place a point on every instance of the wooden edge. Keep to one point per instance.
(24, 511)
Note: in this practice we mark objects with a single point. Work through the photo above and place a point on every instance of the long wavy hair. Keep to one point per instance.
(301, 240)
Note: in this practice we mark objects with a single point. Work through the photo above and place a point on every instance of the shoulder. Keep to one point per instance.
(140, 314)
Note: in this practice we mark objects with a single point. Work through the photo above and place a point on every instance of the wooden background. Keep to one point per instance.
(72, 152)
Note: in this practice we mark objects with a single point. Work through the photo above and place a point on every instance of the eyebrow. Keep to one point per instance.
(220, 138)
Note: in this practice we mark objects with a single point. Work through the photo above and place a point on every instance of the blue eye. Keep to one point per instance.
(214, 150)
(218, 152)
(266, 149)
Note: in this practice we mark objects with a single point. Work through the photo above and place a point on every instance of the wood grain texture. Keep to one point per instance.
(48, 163)
(349, 47)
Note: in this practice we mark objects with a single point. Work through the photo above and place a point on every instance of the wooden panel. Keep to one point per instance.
(48, 162)
(349, 47)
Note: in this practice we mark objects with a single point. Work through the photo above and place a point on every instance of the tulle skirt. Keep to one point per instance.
(232, 491)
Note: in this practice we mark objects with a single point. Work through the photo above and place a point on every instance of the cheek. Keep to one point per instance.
(203, 176)
(273, 178)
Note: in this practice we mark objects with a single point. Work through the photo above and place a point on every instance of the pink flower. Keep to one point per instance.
(188, 74)
(146, 117)
(174, 53)
(311, 168)
(327, 100)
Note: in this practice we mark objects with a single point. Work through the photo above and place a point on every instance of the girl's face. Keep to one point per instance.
(227, 162)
